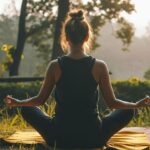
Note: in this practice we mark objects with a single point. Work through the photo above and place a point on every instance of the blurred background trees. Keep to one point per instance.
(40, 24)
(147, 74)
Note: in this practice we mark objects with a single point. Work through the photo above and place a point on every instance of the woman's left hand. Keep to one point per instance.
(10, 102)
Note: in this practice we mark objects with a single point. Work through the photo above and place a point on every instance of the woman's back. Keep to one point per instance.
(76, 95)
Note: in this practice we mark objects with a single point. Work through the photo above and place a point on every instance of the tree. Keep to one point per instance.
(41, 24)
(41, 21)
(99, 12)
(20, 41)
(104, 11)
(147, 74)
(7, 40)
(63, 8)
(24, 30)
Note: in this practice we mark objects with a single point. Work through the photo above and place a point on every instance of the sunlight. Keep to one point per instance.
(140, 18)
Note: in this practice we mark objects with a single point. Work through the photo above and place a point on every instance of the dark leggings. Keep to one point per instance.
(111, 123)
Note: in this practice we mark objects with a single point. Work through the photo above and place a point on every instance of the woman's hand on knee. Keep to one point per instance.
(144, 102)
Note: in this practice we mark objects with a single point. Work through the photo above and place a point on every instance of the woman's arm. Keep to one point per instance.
(108, 93)
(44, 92)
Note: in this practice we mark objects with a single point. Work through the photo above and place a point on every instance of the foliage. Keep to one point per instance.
(142, 118)
(9, 50)
(41, 18)
(132, 89)
(7, 26)
(38, 19)
(8, 29)
(128, 90)
(2, 70)
(19, 90)
(125, 31)
(147, 74)
(101, 12)
(13, 121)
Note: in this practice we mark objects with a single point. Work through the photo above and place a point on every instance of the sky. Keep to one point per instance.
(140, 18)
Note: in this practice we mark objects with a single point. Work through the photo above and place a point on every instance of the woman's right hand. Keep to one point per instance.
(10, 102)
(144, 102)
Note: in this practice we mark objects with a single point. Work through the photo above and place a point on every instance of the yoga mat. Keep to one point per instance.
(134, 138)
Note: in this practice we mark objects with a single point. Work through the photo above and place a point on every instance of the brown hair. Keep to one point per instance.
(77, 29)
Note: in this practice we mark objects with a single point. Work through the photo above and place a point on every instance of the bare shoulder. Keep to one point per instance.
(100, 64)
(54, 62)
(53, 65)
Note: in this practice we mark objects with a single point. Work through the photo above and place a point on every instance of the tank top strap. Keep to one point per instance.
(60, 62)
(92, 61)
(62, 65)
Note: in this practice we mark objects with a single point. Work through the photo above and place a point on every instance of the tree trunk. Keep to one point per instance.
(14, 67)
(63, 8)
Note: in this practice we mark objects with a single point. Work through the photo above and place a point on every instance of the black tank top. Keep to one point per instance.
(76, 91)
(77, 120)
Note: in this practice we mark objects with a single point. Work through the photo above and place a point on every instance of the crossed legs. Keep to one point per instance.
(111, 123)
(41, 122)
(115, 121)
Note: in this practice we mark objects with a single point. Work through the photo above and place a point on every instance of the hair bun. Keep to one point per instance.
(78, 15)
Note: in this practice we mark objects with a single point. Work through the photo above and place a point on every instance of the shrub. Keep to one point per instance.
(127, 90)
(19, 90)
(132, 89)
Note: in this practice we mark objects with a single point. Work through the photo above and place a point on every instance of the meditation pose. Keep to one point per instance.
(77, 77)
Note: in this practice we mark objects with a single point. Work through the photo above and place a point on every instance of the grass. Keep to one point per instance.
(142, 119)
(9, 124)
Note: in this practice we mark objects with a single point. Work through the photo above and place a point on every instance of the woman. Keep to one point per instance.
(77, 76)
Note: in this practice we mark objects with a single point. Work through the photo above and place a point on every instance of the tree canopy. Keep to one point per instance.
(40, 24)
(43, 14)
